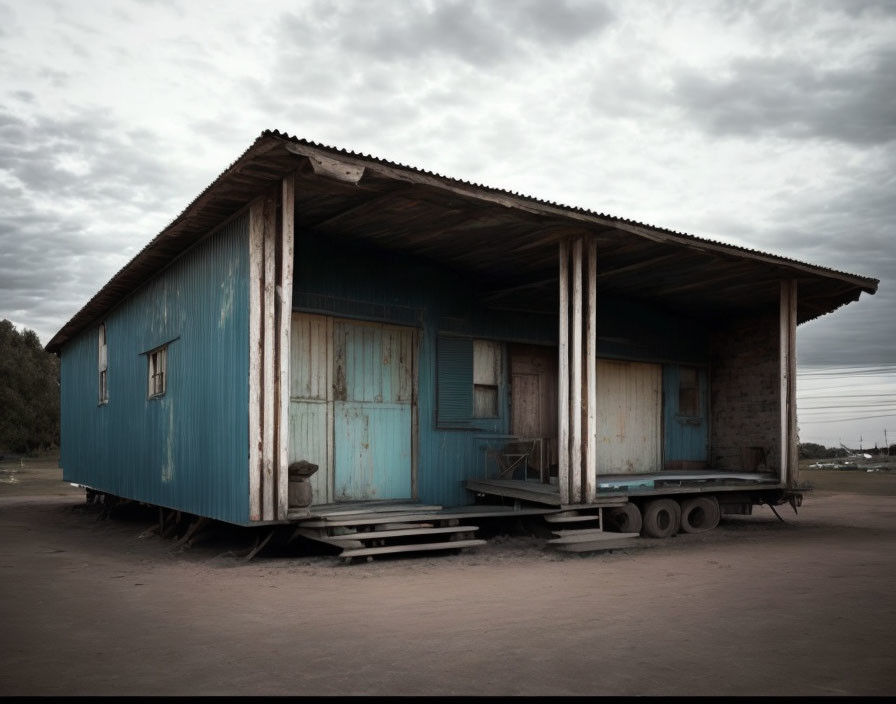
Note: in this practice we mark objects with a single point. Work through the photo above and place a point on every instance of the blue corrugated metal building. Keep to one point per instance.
(407, 332)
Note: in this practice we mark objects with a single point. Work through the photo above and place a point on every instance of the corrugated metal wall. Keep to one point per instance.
(187, 449)
(369, 285)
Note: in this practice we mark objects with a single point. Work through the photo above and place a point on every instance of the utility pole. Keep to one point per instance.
(887, 443)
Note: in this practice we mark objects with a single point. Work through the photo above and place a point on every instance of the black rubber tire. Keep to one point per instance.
(661, 518)
(699, 514)
(624, 519)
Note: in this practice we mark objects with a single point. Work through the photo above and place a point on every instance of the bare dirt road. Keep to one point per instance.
(754, 607)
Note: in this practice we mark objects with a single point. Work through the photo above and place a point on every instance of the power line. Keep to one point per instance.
(799, 396)
(846, 420)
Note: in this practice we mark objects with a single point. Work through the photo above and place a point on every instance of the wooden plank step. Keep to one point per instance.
(570, 518)
(607, 501)
(597, 545)
(373, 519)
(595, 537)
(377, 534)
(422, 547)
(367, 510)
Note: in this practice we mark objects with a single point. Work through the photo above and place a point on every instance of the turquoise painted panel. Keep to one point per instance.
(372, 411)
(372, 450)
(187, 449)
(685, 435)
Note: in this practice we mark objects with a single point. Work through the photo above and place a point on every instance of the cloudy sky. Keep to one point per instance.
(770, 125)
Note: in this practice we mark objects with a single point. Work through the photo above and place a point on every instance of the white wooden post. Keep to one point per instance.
(256, 342)
(268, 373)
(591, 372)
(284, 325)
(789, 456)
(575, 474)
(563, 378)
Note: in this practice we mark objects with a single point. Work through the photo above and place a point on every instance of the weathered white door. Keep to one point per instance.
(629, 417)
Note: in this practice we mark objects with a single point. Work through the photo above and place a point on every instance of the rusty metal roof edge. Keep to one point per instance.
(96, 306)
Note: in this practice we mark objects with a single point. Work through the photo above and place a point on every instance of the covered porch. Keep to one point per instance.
(472, 270)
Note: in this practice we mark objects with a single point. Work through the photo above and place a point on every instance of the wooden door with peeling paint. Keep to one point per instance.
(629, 420)
(533, 403)
(373, 411)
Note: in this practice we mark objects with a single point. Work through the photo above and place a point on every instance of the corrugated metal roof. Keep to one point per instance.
(263, 164)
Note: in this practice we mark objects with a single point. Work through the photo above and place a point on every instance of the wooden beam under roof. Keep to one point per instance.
(500, 293)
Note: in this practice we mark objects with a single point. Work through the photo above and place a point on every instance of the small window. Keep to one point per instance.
(103, 365)
(157, 364)
(688, 392)
(486, 373)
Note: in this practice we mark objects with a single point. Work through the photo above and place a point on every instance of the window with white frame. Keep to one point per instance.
(486, 372)
(157, 361)
(103, 364)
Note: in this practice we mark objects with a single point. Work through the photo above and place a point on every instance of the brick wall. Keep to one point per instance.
(745, 392)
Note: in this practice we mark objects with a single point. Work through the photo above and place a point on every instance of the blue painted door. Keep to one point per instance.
(373, 411)
(685, 417)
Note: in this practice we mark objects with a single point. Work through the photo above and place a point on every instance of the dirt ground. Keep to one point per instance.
(755, 607)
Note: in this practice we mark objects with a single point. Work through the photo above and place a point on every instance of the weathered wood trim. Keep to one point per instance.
(268, 371)
(336, 169)
(575, 469)
(415, 422)
(256, 340)
(284, 328)
(563, 378)
(591, 373)
(789, 457)
(331, 419)
(792, 450)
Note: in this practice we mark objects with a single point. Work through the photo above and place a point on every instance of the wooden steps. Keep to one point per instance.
(571, 517)
(360, 531)
(594, 541)
(403, 532)
(414, 547)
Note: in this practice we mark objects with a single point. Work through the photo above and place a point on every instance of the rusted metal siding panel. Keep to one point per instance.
(628, 417)
(187, 449)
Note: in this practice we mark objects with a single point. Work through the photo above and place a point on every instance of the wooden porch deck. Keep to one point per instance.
(614, 489)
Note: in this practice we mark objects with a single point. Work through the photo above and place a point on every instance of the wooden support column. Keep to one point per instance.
(284, 326)
(563, 378)
(789, 456)
(268, 372)
(256, 348)
(270, 265)
(591, 374)
(575, 460)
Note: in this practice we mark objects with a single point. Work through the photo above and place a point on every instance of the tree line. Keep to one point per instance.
(29, 392)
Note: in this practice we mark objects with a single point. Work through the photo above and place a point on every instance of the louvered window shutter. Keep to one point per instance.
(455, 380)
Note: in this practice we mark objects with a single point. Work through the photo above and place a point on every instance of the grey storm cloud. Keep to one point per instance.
(787, 98)
(478, 33)
(98, 179)
(106, 161)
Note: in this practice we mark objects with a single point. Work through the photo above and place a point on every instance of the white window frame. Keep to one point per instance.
(157, 372)
(102, 366)
(487, 368)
